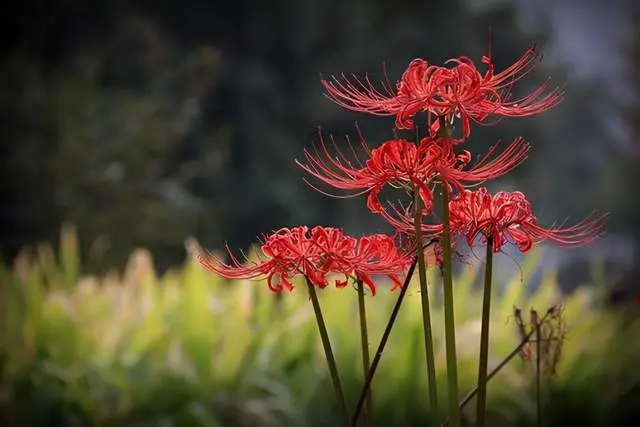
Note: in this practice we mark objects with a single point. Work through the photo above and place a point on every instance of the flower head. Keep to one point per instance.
(290, 253)
(402, 164)
(396, 162)
(454, 168)
(378, 255)
(314, 253)
(506, 217)
(457, 90)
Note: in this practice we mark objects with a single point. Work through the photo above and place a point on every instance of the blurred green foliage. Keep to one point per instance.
(190, 349)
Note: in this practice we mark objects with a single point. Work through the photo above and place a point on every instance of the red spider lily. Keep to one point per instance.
(396, 162)
(506, 217)
(378, 255)
(460, 90)
(636, 300)
(450, 167)
(314, 253)
(402, 163)
(291, 253)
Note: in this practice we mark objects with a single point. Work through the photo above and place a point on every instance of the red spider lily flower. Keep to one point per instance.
(506, 217)
(452, 168)
(396, 162)
(369, 255)
(378, 255)
(314, 253)
(291, 253)
(401, 163)
(460, 91)
(636, 300)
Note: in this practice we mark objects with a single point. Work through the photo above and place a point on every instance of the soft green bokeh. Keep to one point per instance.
(190, 349)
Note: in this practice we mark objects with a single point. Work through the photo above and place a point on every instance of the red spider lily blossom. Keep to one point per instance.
(291, 253)
(452, 168)
(401, 163)
(378, 255)
(506, 217)
(396, 162)
(459, 90)
(314, 253)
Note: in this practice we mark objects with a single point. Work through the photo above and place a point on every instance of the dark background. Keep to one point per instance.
(144, 123)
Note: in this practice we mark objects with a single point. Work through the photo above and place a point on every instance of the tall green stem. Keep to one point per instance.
(426, 311)
(449, 316)
(381, 346)
(326, 344)
(481, 410)
(447, 285)
(366, 363)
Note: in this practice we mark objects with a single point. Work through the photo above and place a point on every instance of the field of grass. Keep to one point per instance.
(190, 349)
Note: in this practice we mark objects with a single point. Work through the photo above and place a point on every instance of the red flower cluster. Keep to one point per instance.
(456, 91)
(314, 253)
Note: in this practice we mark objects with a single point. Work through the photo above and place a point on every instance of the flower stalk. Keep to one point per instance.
(447, 284)
(426, 310)
(366, 360)
(382, 345)
(449, 316)
(483, 363)
(328, 352)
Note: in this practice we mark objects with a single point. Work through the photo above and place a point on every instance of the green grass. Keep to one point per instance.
(190, 349)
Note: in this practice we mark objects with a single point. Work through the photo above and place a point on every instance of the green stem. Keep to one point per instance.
(326, 344)
(426, 311)
(494, 371)
(381, 346)
(481, 410)
(366, 362)
(449, 316)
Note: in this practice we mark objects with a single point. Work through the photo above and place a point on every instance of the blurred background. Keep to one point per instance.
(143, 124)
